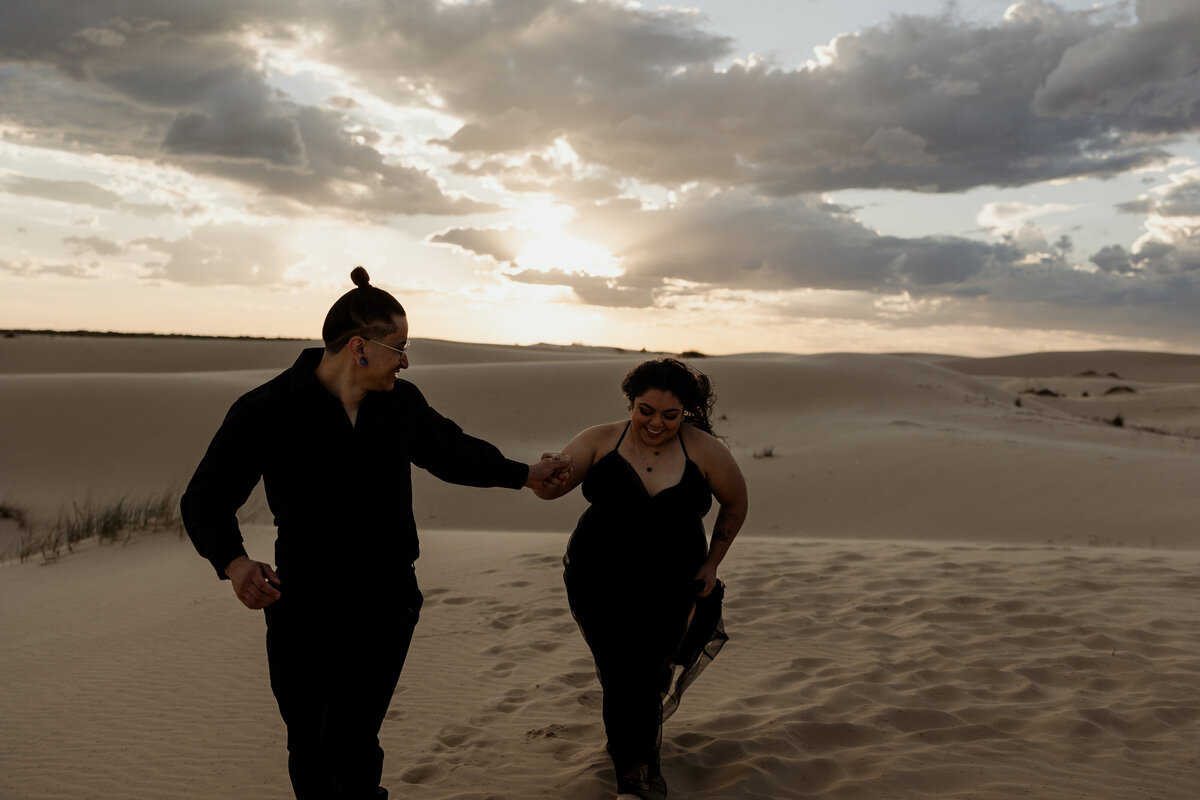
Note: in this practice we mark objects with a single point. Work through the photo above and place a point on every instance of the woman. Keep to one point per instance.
(641, 579)
(332, 439)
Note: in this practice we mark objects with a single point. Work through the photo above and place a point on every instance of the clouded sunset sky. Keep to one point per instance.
(980, 177)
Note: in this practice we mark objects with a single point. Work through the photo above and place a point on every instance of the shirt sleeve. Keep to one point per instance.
(222, 483)
(441, 447)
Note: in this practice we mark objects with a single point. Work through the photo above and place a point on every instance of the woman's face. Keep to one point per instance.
(656, 417)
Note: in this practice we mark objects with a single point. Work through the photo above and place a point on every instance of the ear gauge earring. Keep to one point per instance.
(362, 361)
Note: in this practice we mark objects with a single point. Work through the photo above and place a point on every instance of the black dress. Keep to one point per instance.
(629, 573)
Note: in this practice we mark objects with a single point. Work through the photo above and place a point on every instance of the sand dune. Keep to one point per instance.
(855, 670)
(1132, 365)
(958, 579)
(867, 446)
(40, 354)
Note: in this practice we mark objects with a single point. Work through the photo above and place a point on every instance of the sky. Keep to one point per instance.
(979, 177)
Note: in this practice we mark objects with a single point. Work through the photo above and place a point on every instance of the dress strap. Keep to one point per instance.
(618, 444)
(679, 436)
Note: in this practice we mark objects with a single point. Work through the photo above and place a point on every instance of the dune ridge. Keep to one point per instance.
(959, 579)
(867, 446)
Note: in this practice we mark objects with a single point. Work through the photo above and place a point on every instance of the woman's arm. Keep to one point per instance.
(582, 452)
(729, 487)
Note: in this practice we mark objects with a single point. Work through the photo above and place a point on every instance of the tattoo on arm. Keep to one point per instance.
(725, 528)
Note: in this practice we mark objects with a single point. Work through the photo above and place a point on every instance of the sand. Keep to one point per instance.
(940, 592)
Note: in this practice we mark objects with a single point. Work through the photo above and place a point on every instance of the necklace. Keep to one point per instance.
(638, 449)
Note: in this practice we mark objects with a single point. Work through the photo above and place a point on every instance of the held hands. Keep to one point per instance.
(551, 472)
(254, 582)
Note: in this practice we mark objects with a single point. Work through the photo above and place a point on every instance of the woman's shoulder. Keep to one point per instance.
(694, 437)
(602, 436)
(704, 448)
(594, 442)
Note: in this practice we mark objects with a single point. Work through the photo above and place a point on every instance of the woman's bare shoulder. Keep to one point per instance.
(705, 449)
(596, 440)
(601, 434)
(696, 438)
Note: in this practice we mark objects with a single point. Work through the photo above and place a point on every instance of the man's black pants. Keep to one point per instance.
(334, 660)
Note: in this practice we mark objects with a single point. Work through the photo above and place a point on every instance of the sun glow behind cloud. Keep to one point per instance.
(560, 251)
(645, 171)
(551, 248)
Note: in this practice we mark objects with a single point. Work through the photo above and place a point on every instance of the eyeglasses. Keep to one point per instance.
(399, 349)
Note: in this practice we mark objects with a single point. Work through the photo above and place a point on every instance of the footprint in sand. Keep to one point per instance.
(422, 773)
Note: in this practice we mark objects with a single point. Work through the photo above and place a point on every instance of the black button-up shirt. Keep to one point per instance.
(335, 489)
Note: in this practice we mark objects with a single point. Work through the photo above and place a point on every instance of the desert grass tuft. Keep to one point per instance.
(109, 523)
(15, 513)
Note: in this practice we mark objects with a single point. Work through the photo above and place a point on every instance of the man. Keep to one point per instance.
(333, 438)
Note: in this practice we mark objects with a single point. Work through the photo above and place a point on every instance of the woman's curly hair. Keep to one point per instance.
(690, 385)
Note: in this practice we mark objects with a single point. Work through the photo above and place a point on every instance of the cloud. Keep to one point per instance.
(736, 244)
(601, 104)
(738, 240)
(1142, 76)
(502, 245)
(340, 173)
(94, 244)
(1179, 198)
(593, 290)
(226, 254)
(1015, 223)
(34, 269)
(181, 84)
(74, 192)
(535, 66)
(917, 103)
(928, 104)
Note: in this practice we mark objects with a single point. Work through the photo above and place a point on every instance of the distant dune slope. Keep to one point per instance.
(834, 445)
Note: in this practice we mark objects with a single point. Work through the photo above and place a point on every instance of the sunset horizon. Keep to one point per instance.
(988, 178)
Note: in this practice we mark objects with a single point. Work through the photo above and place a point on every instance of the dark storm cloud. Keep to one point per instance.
(1113, 259)
(1142, 77)
(199, 96)
(519, 71)
(500, 245)
(339, 172)
(594, 290)
(738, 240)
(928, 104)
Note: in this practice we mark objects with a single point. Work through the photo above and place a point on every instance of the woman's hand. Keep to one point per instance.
(551, 473)
(708, 574)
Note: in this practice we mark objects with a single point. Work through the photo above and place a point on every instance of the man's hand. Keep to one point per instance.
(254, 582)
(551, 472)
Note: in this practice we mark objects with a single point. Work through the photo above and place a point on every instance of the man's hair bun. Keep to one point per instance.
(359, 312)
